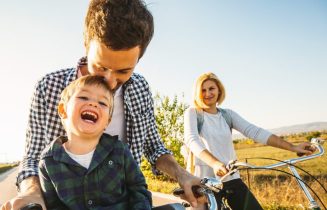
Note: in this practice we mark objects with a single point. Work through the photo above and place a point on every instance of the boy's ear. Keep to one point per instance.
(61, 110)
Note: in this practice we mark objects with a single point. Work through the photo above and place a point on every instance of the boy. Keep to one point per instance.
(87, 168)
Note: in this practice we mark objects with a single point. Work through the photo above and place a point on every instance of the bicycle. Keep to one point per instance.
(211, 186)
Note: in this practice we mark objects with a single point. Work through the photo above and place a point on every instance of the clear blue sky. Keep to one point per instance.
(271, 56)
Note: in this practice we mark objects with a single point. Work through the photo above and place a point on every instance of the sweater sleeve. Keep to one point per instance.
(191, 134)
(249, 130)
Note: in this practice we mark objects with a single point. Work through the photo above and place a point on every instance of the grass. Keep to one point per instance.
(6, 167)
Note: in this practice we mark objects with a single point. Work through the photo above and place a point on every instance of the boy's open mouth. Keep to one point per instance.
(89, 116)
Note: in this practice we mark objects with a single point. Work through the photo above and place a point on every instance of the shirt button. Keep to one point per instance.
(90, 202)
(110, 162)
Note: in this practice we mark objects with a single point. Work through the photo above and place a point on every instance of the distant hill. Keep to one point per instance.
(293, 129)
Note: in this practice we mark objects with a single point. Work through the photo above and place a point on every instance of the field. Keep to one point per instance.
(5, 167)
(274, 190)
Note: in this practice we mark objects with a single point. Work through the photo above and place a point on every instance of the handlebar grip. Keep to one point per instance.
(32, 206)
(196, 189)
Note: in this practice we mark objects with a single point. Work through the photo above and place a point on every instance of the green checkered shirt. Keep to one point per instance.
(112, 181)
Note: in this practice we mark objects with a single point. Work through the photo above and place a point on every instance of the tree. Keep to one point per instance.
(169, 115)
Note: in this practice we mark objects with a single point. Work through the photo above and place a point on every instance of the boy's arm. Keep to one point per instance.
(138, 195)
(49, 192)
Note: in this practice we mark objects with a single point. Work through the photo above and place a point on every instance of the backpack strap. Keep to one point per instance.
(228, 118)
(199, 118)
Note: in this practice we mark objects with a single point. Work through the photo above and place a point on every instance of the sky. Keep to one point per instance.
(270, 55)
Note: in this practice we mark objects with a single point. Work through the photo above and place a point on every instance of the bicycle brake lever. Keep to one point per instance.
(212, 184)
(231, 165)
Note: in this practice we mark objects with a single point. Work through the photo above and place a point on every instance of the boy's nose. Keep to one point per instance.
(93, 103)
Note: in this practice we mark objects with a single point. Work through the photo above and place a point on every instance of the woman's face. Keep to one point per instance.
(210, 93)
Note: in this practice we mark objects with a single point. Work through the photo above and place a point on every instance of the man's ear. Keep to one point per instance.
(61, 110)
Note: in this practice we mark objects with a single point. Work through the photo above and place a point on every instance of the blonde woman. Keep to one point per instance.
(212, 145)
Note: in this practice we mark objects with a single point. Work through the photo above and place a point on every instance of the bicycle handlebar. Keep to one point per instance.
(234, 165)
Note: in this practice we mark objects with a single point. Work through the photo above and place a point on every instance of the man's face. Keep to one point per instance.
(116, 66)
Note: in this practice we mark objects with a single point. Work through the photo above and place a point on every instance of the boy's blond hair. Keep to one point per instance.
(198, 97)
(87, 80)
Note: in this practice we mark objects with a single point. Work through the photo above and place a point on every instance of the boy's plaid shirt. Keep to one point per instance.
(44, 124)
(112, 181)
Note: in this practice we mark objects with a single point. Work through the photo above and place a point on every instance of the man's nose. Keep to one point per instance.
(112, 81)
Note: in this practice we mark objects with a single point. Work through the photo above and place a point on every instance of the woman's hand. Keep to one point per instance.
(304, 148)
(219, 168)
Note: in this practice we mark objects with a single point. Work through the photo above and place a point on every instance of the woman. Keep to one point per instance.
(212, 144)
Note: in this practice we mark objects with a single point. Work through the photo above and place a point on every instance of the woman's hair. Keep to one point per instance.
(198, 97)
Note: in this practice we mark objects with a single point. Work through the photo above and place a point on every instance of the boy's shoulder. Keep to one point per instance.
(50, 149)
(108, 140)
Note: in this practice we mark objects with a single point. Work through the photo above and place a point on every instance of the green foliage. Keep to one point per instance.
(314, 134)
(169, 114)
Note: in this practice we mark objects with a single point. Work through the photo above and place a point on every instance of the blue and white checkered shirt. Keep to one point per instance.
(44, 124)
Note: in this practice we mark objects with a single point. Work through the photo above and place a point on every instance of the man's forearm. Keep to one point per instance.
(30, 185)
(167, 164)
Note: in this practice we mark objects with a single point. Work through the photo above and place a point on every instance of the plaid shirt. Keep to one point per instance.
(112, 181)
(44, 124)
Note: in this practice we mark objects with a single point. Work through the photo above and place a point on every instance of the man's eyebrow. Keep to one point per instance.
(124, 69)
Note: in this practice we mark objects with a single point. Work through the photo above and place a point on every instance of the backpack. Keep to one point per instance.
(189, 158)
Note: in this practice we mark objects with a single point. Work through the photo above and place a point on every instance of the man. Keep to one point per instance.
(116, 35)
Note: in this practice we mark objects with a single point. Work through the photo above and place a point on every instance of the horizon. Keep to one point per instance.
(270, 55)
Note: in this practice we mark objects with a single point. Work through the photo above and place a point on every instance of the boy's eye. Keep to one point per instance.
(84, 98)
(103, 103)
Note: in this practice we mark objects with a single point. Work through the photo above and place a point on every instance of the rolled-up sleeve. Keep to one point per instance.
(34, 135)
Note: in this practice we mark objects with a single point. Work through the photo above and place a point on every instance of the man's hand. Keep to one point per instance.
(30, 193)
(22, 200)
(186, 181)
(167, 163)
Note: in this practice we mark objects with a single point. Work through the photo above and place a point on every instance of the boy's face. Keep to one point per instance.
(87, 111)
(116, 66)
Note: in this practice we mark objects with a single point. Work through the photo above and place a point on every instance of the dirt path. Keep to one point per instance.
(7, 184)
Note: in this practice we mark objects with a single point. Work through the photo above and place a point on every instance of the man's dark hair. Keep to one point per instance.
(119, 24)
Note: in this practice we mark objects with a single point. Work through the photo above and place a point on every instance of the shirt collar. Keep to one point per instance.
(104, 147)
